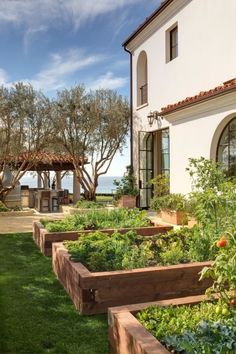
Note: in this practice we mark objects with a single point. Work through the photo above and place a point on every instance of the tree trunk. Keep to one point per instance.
(90, 195)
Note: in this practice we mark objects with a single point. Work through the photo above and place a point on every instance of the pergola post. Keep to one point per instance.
(76, 188)
(39, 180)
(58, 180)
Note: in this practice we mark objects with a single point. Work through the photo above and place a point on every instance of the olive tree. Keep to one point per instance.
(91, 127)
(24, 131)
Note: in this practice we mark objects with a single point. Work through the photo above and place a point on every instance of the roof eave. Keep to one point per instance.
(199, 101)
(149, 19)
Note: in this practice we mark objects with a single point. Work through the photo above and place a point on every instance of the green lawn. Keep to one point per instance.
(36, 315)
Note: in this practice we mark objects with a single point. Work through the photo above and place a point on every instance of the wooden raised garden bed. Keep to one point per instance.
(128, 336)
(45, 239)
(93, 293)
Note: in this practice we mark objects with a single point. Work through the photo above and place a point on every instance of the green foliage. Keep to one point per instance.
(172, 255)
(127, 184)
(86, 204)
(192, 329)
(3, 207)
(100, 219)
(208, 337)
(200, 245)
(100, 252)
(92, 125)
(162, 199)
(223, 271)
(138, 256)
(175, 320)
(171, 201)
(160, 185)
(214, 196)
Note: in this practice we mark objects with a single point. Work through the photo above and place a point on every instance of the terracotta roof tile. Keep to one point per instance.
(203, 95)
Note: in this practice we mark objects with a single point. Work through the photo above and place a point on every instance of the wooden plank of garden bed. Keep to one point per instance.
(95, 292)
(128, 336)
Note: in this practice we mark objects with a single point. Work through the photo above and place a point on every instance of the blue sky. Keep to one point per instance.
(55, 44)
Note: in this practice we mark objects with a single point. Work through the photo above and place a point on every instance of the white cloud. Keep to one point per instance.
(58, 71)
(30, 34)
(38, 13)
(108, 81)
(54, 76)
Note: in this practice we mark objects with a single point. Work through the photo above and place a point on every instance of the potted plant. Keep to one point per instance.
(126, 190)
(170, 207)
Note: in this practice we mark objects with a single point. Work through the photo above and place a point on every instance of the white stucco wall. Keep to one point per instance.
(195, 132)
(207, 50)
(207, 57)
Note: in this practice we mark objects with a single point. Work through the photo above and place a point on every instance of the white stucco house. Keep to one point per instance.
(183, 90)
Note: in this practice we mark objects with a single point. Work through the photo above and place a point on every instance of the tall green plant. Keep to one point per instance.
(214, 195)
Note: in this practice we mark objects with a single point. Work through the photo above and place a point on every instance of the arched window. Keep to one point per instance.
(226, 152)
(142, 83)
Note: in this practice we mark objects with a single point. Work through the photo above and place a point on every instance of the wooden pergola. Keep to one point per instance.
(44, 162)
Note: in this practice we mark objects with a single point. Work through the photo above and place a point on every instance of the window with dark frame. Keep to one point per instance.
(174, 43)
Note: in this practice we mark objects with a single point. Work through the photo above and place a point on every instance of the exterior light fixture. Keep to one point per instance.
(153, 116)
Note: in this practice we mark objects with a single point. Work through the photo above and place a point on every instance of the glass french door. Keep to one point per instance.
(154, 159)
(145, 168)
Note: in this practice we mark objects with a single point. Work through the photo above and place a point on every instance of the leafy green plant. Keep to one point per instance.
(160, 185)
(208, 337)
(173, 255)
(3, 207)
(101, 252)
(175, 320)
(127, 185)
(199, 244)
(214, 195)
(169, 202)
(192, 329)
(223, 271)
(100, 219)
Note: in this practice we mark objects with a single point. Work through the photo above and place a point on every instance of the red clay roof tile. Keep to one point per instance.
(203, 95)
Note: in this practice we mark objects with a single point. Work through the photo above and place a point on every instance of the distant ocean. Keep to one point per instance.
(105, 183)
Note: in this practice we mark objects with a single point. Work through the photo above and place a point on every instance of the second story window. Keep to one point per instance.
(174, 43)
(142, 83)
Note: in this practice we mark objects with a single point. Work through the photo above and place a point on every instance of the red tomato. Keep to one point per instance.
(221, 243)
(233, 302)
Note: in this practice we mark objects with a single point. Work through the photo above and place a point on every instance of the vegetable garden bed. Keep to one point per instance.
(128, 336)
(45, 239)
(94, 292)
